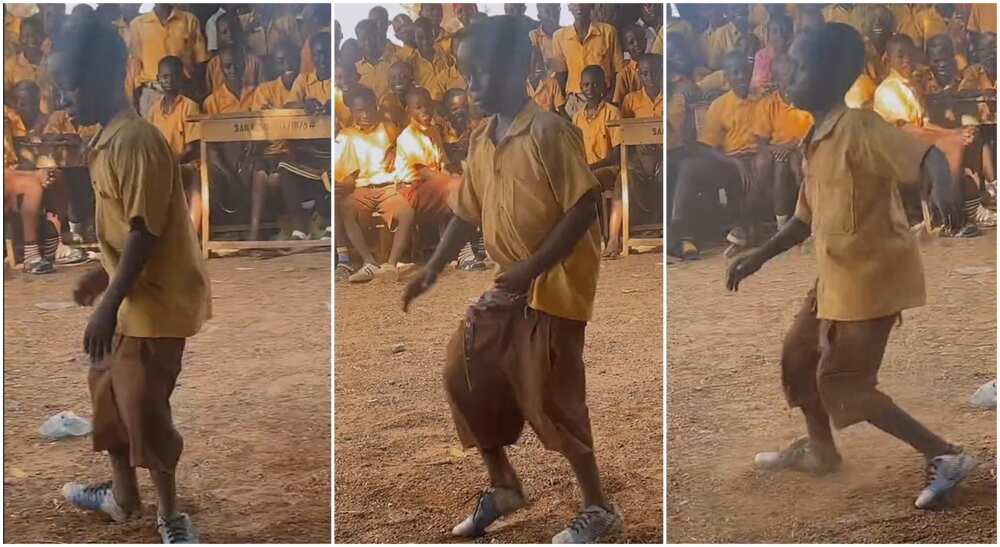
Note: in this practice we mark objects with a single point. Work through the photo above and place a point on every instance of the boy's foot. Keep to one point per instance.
(176, 529)
(985, 218)
(298, 235)
(38, 266)
(943, 474)
(343, 271)
(799, 456)
(592, 525)
(689, 251)
(98, 498)
(493, 503)
(364, 274)
(68, 256)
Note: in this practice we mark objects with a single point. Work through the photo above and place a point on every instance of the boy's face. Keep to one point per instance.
(458, 111)
(232, 70)
(548, 15)
(739, 15)
(635, 42)
(581, 12)
(321, 58)
(381, 18)
(26, 102)
(942, 63)
(369, 42)
(651, 14)
(488, 86)
(400, 78)
(651, 76)
(677, 57)
(170, 78)
(350, 51)
(402, 27)
(345, 77)
(85, 97)
(423, 39)
(464, 12)
(592, 87)
(31, 40)
(776, 37)
(808, 86)
(286, 62)
(781, 73)
(224, 30)
(900, 58)
(363, 112)
(986, 52)
(737, 74)
(418, 106)
(433, 12)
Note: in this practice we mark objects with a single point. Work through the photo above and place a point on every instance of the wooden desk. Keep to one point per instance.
(266, 125)
(636, 131)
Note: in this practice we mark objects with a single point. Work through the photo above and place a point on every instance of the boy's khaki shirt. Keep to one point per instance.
(598, 138)
(308, 86)
(174, 125)
(637, 104)
(518, 190)
(729, 124)
(135, 176)
(868, 262)
(599, 47)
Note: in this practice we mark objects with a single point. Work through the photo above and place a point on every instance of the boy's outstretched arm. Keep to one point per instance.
(458, 233)
(937, 183)
(555, 247)
(791, 234)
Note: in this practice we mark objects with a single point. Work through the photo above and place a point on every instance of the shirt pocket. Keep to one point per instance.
(835, 207)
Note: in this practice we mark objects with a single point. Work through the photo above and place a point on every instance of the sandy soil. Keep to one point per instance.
(253, 405)
(725, 403)
(400, 473)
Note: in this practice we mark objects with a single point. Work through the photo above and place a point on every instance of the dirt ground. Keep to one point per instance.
(253, 406)
(401, 475)
(725, 404)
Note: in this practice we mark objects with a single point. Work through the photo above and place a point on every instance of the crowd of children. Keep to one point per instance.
(403, 117)
(185, 61)
(733, 137)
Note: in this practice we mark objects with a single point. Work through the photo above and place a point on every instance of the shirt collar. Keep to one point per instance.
(594, 30)
(520, 125)
(818, 133)
(106, 133)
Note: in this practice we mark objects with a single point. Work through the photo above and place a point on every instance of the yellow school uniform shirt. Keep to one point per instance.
(308, 86)
(224, 101)
(518, 190)
(626, 81)
(340, 109)
(715, 43)
(598, 138)
(729, 124)
(780, 122)
(375, 76)
(436, 75)
(151, 41)
(12, 28)
(657, 46)
(898, 101)
(366, 153)
(59, 123)
(135, 176)
(983, 18)
(543, 42)
(174, 125)
(862, 93)
(714, 82)
(546, 94)
(676, 119)
(274, 94)
(18, 127)
(908, 21)
(837, 13)
(638, 104)
(682, 27)
(599, 47)
(416, 146)
(253, 72)
(867, 260)
(392, 108)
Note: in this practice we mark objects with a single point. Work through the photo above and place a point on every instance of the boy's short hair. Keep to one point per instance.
(784, 22)
(93, 49)
(418, 91)
(364, 24)
(171, 61)
(451, 94)
(424, 23)
(359, 92)
(505, 37)
(839, 49)
(940, 41)
(593, 70)
(35, 23)
(900, 40)
(632, 27)
(233, 49)
(27, 85)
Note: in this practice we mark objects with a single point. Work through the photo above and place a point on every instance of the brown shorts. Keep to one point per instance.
(130, 392)
(384, 200)
(508, 364)
(835, 363)
(429, 197)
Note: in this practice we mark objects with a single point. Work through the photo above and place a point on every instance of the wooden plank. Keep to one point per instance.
(240, 245)
(625, 207)
(640, 130)
(271, 128)
(206, 204)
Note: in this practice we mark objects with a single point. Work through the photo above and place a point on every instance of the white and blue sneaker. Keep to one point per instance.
(594, 524)
(176, 529)
(492, 504)
(943, 474)
(97, 498)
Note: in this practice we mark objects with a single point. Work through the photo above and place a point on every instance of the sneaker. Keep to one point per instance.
(592, 525)
(985, 218)
(492, 504)
(38, 266)
(298, 235)
(943, 474)
(176, 529)
(98, 498)
(364, 274)
(343, 271)
(68, 256)
(799, 456)
(689, 251)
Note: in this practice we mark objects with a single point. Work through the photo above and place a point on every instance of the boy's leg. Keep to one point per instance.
(352, 207)
(258, 195)
(397, 212)
(165, 483)
(124, 484)
(786, 189)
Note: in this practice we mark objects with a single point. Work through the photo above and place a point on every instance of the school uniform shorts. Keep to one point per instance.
(508, 364)
(130, 392)
(384, 200)
(429, 197)
(835, 363)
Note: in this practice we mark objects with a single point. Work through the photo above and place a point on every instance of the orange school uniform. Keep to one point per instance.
(598, 138)
(729, 124)
(252, 73)
(599, 47)
(174, 124)
(626, 81)
(638, 104)
(546, 94)
(151, 41)
(779, 122)
(223, 101)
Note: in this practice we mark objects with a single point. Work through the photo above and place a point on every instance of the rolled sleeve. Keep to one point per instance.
(887, 151)
(465, 202)
(145, 168)
(565, 164)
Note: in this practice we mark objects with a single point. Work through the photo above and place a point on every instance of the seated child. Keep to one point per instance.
(433, 68)
(421, 161)
(364, 183)
(345, 78)
(627, 81)
(602, 144)
(780, 128)
(542, 85)
(22, 194)
(779, 37)
(393, 103)
(646, 161)
(230, 34)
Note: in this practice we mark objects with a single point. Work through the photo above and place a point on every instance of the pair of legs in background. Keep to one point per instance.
(829, 370)
(508, 364)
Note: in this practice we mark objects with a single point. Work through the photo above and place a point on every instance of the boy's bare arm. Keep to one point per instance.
(555, 247)
(791, 234)
(612, 159)
(457, 234)
(937, 183)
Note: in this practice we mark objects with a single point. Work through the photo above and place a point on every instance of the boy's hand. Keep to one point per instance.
(743, 267)
(100, 332)
(90, 286)
(421, 283)
(312, 106)
(517, 279)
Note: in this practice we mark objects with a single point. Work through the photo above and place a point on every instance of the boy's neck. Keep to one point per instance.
(114, 107)
(236, 92)
(593, 106)
(426, 54)
(513, 106)
(582, 26)
(652, 93)
(549, 31)
(287, 80)
(534, 79)
(33, 56)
